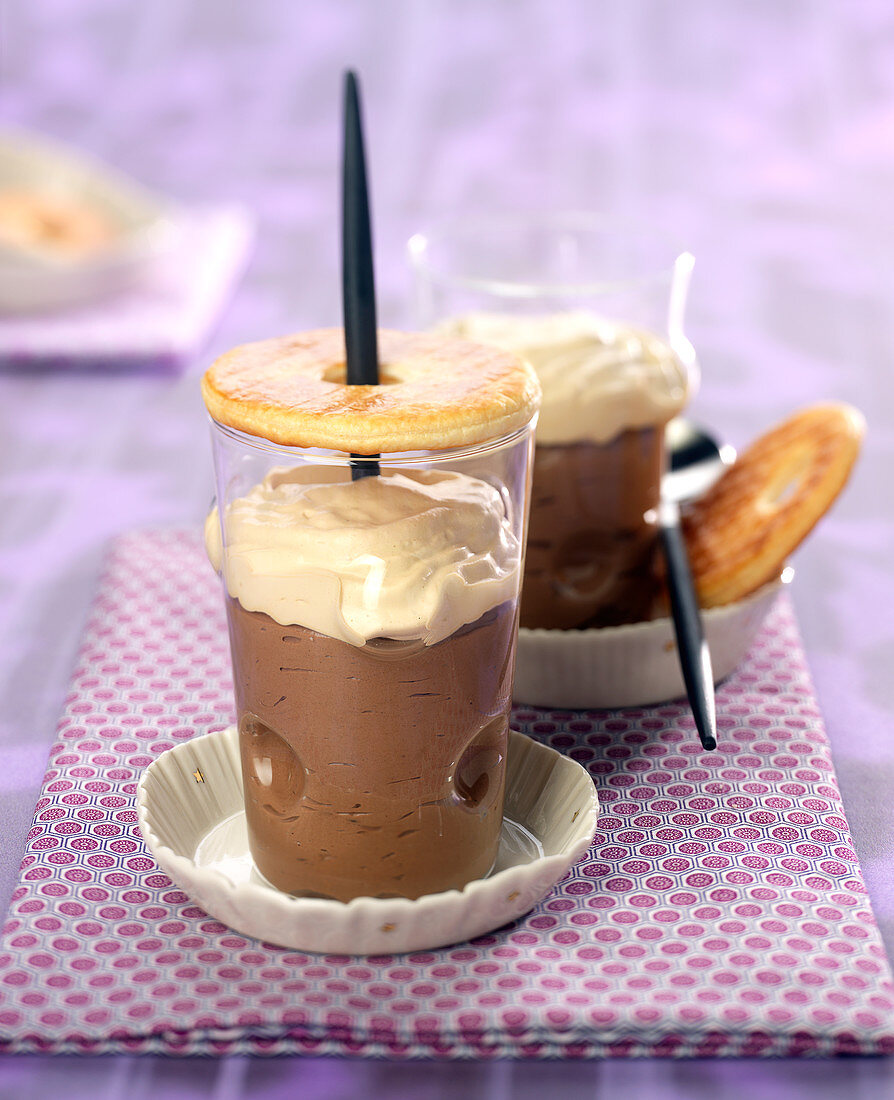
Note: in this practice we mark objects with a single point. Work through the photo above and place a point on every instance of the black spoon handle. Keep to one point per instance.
(358, 280)
(358, 277)
(692, 648)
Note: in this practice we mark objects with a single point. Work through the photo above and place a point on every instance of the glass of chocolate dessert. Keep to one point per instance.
(597, 310)
(370, 542)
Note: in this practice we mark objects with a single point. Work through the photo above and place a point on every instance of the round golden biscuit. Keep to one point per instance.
(53, 223)
(741, 532)
(434, 393)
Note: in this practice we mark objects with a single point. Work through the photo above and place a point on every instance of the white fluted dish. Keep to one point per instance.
(632, 665)
(33, 279)
(195, 828)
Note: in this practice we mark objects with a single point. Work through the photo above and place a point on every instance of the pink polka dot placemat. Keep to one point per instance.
(721, 910)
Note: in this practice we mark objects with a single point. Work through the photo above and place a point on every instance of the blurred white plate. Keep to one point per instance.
(632, 665)
(196, 830)
(36, 278)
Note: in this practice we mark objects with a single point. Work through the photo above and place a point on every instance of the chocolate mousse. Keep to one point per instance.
(372, 620)
(608, 391)
(592, 553)
(405, 795)
(372, 630)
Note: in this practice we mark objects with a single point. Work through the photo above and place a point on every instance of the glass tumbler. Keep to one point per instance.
(372, 606)
(597, 308)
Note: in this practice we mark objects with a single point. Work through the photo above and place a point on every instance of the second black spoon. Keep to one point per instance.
(696, 460)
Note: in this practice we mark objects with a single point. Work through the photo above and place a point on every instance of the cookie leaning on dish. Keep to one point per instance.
(740, 534)
(434, 393)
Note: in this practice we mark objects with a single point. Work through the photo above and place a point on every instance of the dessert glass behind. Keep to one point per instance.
(597, 309)
(373, 657)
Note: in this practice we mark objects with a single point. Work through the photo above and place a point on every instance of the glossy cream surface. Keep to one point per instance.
(599, 377)
(413, 554)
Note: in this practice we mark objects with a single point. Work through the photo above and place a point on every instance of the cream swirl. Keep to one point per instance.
(599, 377)
(406, 555)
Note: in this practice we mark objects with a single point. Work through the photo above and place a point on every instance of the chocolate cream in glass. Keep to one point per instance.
(372, 619)
(609, 389)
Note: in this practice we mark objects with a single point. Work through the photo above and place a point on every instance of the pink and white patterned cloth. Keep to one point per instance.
(720, 911)
(159, 324)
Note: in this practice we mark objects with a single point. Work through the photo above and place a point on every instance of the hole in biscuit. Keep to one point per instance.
(786, 492)
(338, 373)
(788, 485)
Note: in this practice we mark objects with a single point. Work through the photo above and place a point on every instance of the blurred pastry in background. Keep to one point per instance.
(98, 271)
(56, 224)
(73, 230)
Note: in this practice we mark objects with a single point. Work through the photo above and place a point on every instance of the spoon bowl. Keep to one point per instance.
(695, 461)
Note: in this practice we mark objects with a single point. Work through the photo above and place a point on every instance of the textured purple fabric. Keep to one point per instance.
(759, 132)
(721, 910)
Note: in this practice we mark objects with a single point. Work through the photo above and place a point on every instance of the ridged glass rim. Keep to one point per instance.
(420, 245)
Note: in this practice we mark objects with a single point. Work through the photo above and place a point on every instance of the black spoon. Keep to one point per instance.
(696, 460)
(357, 276)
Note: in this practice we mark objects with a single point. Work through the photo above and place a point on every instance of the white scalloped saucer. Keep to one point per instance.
(632, 665)
(189, 804)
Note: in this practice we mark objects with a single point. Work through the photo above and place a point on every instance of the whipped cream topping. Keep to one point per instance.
(599, 377)
(406, 555)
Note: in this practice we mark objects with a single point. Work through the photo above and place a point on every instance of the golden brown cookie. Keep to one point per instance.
(435, 393)
(741, 532)
(59, 224)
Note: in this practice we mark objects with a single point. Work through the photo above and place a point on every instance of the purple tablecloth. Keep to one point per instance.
(759, 132)
(720, 910)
